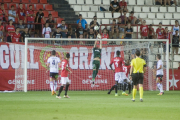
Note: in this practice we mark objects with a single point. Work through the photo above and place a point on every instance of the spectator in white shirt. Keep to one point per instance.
(12, 14)
(175, 27)
(46, 33)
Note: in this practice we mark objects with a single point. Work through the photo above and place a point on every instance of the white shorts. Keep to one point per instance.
(120, 76)
(64, 80)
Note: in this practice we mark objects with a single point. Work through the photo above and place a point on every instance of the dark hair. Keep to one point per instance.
(20, 3)
(166, 27)
(137, 53)
(40, 9)
(26, 27)
(30, 5)
(49, 14)
(10, 20)
(62, 20)
(67, 55)
(12, 6)
(114, 20)
(17, 28)
(117, 52)
(53, 52)
(159, 56)
(2, 4)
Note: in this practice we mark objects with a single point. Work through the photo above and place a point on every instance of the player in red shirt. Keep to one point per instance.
(118, 62)
(21, 13)
(64, 76)
(30, 16)
(16, 36)
(144, 30)
(123, 6)
(10, 30)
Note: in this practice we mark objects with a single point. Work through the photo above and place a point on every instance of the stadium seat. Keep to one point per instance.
(151, 15)
(46, 13)
(85, 8)
(116, 15)
(106, 2)
(54, 14)
(130, 8)
(108, 15)
(84, 14)
(165, 22)
(96, 2)
(39, 6)
(15, 7)
(94, 8)
(172, 22)
(178, 9)
(163, 9)
(91, 14)
(171, 9)
(100, 14)
(89, 1)
(132, 2)
(156, 22)
(32, 6)
(140, 2)
(77, 7)
(88, 21)
(154, 9)
(160, 15)
(58, 20)
(143, 15)
(43, 1)
(34, 1)
(135, 14)
(48, 7)
(72, 1)
(169, 16)
(176, 16)
(25, 1)
(149, 2)
(145, 9)
(105, 21)
(80, 2)
(5, 6)
(1, 0)
(16, 1)
(6, 1)
(148, 22)
(137, 9)
(99, 21)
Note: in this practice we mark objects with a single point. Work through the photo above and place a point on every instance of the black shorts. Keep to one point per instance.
(137, 78)
(160, 77)
(111, 9)
(54, 75)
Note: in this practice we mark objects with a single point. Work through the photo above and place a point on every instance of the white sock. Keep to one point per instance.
(55, 85)
(51, 85)
(158, 85)
(161, 88)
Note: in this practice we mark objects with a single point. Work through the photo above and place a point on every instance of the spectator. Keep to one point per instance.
(16, 36)
(120, 26)
(46, 33)
(69, 30)
(25, 34)
(63, 29)
(10, 30)
(57, 34)
(104, 35)
(172, 2)
(114, 29)
(123, 6)
(21, 13)
(175, 43)
(30, 17)
(91, 34)
(179, 66)
(161, 2)
(114, 7)
(38, 18)
(144, 30)
(12, 14)
(51, 22)
(79, 31)
(83, 22)
(3, 13)
(124, 18)
(160, 33)
(151, 33)
(1, 31)
(175, 27)
(21, 26)
(167, 35)
(132, 19)
(94, 23)
(129, 32)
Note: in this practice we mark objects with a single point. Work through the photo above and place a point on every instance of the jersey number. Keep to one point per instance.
(53, 62)
(116, 64)
(125, 69)
(63, 65)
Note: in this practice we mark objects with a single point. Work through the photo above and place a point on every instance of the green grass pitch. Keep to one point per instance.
(89, 105)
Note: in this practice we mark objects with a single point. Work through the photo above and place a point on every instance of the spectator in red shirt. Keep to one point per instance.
(104, 35)
(3, 13)
(30, 17)
(21, 13)
(132, 19)
(151, 33)
(1, 31)
(179, 66)
(144, 30)
(16, 36)
(10, 30)
(124, 18)
(160, 33)
(123, 6)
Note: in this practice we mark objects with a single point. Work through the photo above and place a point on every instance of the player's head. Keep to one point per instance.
(80, 16)
(58, 29)
(138, 53)
(127, 62)
(117, 53)
(115, 0)
(67, 55)
(20, 21)
(53, 53)
(158, 57)
(17, 30)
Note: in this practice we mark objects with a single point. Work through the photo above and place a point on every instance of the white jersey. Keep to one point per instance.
(174, 30)
(159, 72)
(53, 61)
(46, 32)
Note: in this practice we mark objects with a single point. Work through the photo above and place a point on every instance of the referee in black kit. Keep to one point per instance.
(138, 68)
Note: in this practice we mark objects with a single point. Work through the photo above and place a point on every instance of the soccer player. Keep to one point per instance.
(64, 77)
(117, 61)
(53, 63)
(159, 74)
(96, 60)
(138, 66)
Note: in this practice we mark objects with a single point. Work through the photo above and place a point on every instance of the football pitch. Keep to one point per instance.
(89, 105)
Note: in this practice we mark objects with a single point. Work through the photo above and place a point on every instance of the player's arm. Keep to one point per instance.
(95, 43)
(145, 67)
(68, 69)
(110, 65)
(48, 64)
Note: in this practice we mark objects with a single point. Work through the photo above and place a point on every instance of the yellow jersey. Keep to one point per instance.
(138, 65)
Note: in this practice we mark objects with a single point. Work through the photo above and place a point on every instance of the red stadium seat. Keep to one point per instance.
(15, 7)
(25, 1)
(58, 20)
(39, 6)
(54, 14)
(6, 1)
(16, 1)
(32, 6)
(48, 7)
(1, 0)
(46, 13)
(43, 1)
(34, 1)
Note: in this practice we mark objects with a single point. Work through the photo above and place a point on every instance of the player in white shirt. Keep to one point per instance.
(53, 64)
(159, 74)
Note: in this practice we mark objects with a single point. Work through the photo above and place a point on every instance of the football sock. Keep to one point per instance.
(66, 89)
(161, 88)
(112, 88)
(115, 88)
(141, 92)
(55, 85)
(129, 87)
(94, 75)
(158, 85)
(60, 90)
(134, 93)
(51, 85)
(124, 87)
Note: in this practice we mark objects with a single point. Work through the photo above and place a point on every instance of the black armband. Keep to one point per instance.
(145, 65)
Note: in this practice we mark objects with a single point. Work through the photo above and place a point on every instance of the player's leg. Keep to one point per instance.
(63, 84)
(129, 87)
(112, 88)
(124, 82)
(141, 77)
(159, 80)
(134, 79)
(94, 72)
(55, 83)
(66, 89)
(51, 83)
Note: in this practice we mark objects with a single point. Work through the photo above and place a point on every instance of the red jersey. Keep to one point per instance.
(126, 69)
(21, 13)
(10, 28)
(160, 33)
(64, 64)
(118, 61)
(30, 18)
(144, 30)
(16, 37)
(151, 31)
(1, 28)
(122, 4)
(1, 12)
